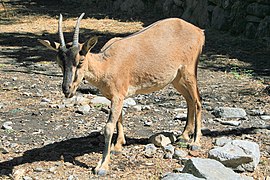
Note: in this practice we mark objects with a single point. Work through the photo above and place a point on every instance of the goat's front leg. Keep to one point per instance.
(116, 109)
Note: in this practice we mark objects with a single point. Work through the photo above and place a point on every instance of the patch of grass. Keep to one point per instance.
(182, 144)
(2, 65)
(241, 73)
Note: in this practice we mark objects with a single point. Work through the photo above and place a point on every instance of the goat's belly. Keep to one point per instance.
(144, 85)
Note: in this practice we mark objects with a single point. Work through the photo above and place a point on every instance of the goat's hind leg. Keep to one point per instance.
(120, 136)
(189, 127)
(186, 84)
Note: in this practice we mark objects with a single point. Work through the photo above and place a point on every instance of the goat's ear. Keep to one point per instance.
(51, 45)
(89, 44)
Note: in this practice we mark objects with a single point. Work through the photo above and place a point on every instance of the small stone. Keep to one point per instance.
(179, 154)
(129, 102)
(231, 123)
(52, 169)
(45, 100)
(265, 117)
(7, 125)
(168, 156)
(227, 112)
(61, 106)
(27, 178)
(256, 112)
(1, 105)
(83, 109)
(38, 169)
(181, 116)
(149, 150)
(71, 177)
(178, 170)
(137, 108)
(169, 148)
(160, 140)
(100, 100)
(146, 107)
(14, 79)
(148, 123)
(26, 93)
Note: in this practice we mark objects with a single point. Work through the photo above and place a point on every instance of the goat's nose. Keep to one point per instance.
(65, 89)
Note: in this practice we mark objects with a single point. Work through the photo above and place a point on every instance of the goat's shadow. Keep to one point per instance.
(66, 150)
(69, 149)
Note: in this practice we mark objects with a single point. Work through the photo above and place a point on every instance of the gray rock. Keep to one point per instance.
(209, 169)
(227, 112)
(222, 141)
(100, 100)
(265, 117)
(148, 123)
(27, 178)
(169, 149)
(129, 102)
(1, 105)
(181, 116)
(137, 108)
(7, 125)
(238, 154)
(84, 109)
(38, 169)
(71, 177)
(45, 100)
(180, 176)
(149, 150)
(76, 100)
(179, 154)
(256, 112)
(146, 107)
(231, 123)
(160, 140)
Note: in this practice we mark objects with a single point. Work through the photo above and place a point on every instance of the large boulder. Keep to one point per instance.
(239, 155)
(209, 169)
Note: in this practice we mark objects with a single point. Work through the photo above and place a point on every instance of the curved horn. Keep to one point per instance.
(76, 33)
(60, 31)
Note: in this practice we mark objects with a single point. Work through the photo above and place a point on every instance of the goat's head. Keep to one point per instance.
(71, 57)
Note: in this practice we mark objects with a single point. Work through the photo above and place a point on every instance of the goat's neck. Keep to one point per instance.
(96, 68)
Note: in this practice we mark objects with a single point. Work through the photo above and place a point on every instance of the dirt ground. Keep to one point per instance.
(48, 142)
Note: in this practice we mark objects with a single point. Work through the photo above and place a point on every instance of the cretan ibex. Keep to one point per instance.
(162, 53)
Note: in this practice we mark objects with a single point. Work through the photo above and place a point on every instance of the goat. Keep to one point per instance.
(162, 53)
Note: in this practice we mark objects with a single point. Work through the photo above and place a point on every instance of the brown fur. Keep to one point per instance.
(162, 53)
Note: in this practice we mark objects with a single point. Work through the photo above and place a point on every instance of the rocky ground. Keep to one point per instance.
(45, 136)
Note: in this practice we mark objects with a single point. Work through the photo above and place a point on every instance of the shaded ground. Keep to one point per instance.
(55, 143)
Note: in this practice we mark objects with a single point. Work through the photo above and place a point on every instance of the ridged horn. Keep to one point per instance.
(76, 33)
(60, 32)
